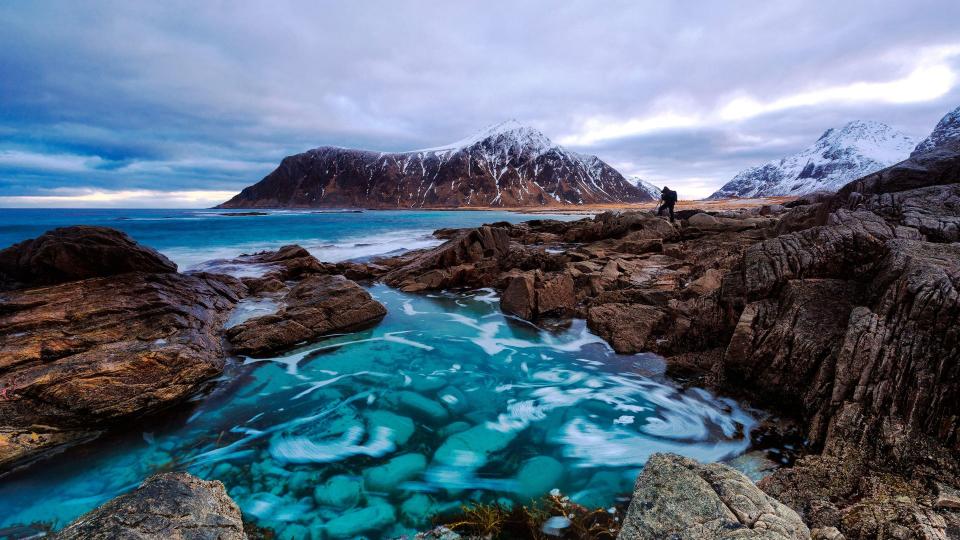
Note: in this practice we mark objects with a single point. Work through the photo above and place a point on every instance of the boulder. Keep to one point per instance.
(470, 258)
(73, 253)
(80, 356)
(680, 499)
(629, 328)
(167, 505)
(319, 304)
(534, 294)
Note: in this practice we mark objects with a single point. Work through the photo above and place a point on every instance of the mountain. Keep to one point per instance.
(946, 132)
(838, 157)
(505, 165)
(648, 188)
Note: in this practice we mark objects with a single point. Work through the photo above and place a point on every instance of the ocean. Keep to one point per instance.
(371, 433)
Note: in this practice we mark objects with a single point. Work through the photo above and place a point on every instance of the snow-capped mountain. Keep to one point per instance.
(505, 165)
(946, 132)
(653, 191)
(838, 157)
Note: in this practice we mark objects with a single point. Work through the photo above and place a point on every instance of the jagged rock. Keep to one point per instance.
(165, 506)
(680, 499)
(72, 253)
(468, 259)
(826, 533)
(317, 305)
(533, 294)
(629, 328)
(78, 356)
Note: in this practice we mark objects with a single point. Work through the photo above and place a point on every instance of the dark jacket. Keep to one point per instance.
(669, 196)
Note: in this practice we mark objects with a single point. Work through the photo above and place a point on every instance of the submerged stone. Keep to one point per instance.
(377, 516)
(421, 406)
(401, 427)
(473, 447)
(338, 491)
(454, 399)
(537, 476)
(388, 476)
(416, 509)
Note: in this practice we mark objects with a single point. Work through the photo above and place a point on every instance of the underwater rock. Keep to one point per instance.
(74, 253)
(378, 515)
(678, 498)
(420, 406)
(78, 357)
(318, 305)
(472, 448)
(537, 476)
(339, 492)
(401, 427)
(391, 474)
(167, 505)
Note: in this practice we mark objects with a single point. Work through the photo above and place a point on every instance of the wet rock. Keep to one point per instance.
(375, 517)
(168, 505)
(629, 328)
(74, 253)
(472, 448)
(947, 497)
(339, 492)
(78, 357)
(401, 427)
(391, 474)
(678, 498)
(537, 476)
(420, 406)
(317, 305)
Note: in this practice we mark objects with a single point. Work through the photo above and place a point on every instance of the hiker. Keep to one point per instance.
(668, 198)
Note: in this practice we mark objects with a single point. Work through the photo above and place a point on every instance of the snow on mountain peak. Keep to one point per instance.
(946, 131)
(505, 135)
(839, 156)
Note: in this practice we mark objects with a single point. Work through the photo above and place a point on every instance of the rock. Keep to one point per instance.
(339, 492)
(390, 475)
(78, 357)
(420, 406)
(401, 427)
(167, 505)
(947, 497)
(416, 509)
(826, 533)
(375, 517)
(533, 294)
(472, 448)
(537, 476)
(703, 221)
(74, 253)
(629, 328)
(678, 498)
(318, 305)
(468, 259)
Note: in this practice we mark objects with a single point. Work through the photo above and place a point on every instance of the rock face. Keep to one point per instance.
(946, 133)
(165, 506)
(506, 165)
(80, 356)
(681, 499)
(72, 253)
(317, 305)
(838, 156)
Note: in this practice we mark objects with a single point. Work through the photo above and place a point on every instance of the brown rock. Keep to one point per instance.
(165, 506)
(533, 294)
(318, 305)
(79, 356)
(72, 253)
(629, 328)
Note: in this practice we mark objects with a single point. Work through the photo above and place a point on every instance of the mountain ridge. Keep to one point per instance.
(505, 165)
(839, 156)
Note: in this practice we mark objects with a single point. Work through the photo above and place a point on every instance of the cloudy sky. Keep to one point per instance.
(184, 103)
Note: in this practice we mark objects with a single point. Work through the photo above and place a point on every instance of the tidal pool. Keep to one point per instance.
(368, 434)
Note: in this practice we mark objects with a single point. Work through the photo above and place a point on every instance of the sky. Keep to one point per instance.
(182, 104)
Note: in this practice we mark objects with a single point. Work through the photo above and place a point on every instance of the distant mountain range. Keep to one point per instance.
(835, 159)
(650, 189)
(505, 165)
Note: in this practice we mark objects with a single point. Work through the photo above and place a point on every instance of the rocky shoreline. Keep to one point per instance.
(840, 313)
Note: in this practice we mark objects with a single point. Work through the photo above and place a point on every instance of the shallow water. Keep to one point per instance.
(445, 401)
(369, 433)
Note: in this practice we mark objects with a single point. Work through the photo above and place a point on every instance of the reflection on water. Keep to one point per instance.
(446, 401)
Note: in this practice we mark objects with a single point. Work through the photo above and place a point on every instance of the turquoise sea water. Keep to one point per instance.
(369, 433)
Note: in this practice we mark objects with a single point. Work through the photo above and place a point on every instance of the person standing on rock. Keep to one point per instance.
(668, 198)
